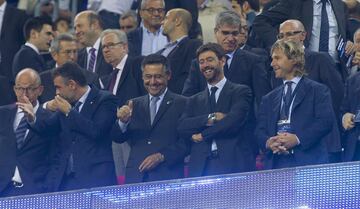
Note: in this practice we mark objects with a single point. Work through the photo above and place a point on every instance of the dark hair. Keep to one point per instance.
(216, 48)
(59, 19)
(71, 71)
(35, 23)
(156, 59)
(254, 4)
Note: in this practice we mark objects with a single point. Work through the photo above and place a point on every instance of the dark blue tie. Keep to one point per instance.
(324, 29)
(20, 132)
(284, 113)
(212, 98)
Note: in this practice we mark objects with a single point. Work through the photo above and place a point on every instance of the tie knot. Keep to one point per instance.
(116, 70)
(324, 1)
(155, 99)
(213, 89)
(288, 83)
(77, 105)
(92, 50)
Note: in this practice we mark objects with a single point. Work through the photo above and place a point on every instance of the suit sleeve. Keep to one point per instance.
(192, 82)
(261, 132)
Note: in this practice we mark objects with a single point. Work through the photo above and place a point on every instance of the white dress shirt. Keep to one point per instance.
(152, 42)
(2, 12)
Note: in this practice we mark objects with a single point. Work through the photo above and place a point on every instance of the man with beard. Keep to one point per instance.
(38, 34)
(214, 118)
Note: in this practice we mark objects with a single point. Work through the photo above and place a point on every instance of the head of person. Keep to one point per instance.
(288, 59)
(128, 21)
(155, 73)
(114, 46)
(39, 32)
(62, 25)
(28, 85)
(211, 58)
(356, 59)
(243, 33)
(64, 49)
(177, 21)
(70, 81)
(249, 5)
(357, 36)
(152, 13)
(227, 29)
(353, 8)
(292, 30)
(88, 27)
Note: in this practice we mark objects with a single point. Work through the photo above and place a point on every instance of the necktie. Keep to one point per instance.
(20, 132)
(324, 28)
(284, 113)
(226, 66)
(212, 98)
(77, 106)
(92, 60)
(113, 79)
(153, 102)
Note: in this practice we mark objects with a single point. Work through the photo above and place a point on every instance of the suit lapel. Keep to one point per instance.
(145, 109)
(336, 5)
(238, 54)
(178, 46)
(124, 74)
(224, 96)
(90, 102)
(164, 106)
(300, 93)
(276, 104)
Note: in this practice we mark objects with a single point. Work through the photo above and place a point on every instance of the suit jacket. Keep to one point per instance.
(49, 88)
(135, 39)
(6, 92)
(351, 104)
(130, 83)
(102, 68)
(26, 57)
(233, 148)
(32, 159)
(146, 139)
(85, 135)
(180, 60)
(11, 38)
(312, 119)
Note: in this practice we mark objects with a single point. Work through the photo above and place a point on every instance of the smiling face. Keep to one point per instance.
(155, 79)
(153, 14)
(211, 67)
(85, 32)
(283, 66)
(228, 37)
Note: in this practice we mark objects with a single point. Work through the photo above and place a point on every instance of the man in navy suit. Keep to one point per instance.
(88, 27)
(24, 154)
(214, 120)
(38, 34)
(149, 123)
(295, 118)
(83, 120)
(181, 49)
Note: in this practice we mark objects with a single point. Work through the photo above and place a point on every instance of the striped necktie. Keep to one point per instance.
(20, 132)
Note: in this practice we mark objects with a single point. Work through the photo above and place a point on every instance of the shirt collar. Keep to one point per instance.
(219, 85)
(2, 7)
(295, 80)
(161, 97)
(318, 1)
(32, 46)
(84, 96)
(95, 46)
(121, 64)
(231, 54)
(145, 30)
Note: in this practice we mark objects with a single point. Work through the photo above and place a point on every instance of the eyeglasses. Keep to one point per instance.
(288, 34)
(110, 45)
(69, 52)
(228, 33)
(153, 10)
(27, 89)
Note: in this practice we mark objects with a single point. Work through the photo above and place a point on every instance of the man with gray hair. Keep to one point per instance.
(148, 38)
(128, 21)
(63, 49)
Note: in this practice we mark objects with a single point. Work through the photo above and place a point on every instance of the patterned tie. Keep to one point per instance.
(212, 98)
(92, 60)
(153, 102)
(284, 113)
(20, 132)
(324, 29)
(113, 79)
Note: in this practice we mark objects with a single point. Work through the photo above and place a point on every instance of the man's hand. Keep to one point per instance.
(197, 138)
(51, 105)
(348, 121)
(151, 162)
(288, 140)
(62, 104)
(275, 145)
(356, 59)
(350, 48)
(28, 108)
(219, 116)
(124, 113)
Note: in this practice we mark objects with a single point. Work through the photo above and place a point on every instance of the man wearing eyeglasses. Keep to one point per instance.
(319, 67)
(148, 38)
(63, 49)
(24, 155)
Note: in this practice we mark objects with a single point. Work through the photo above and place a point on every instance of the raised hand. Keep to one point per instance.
(124, 113)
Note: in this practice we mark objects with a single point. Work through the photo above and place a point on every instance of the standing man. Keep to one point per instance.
(148, 38)
(181, 49)
(88, 27)
(295, 118)
(63, 49)
(83, 120)
(214, 120)
(38, 34)
(149, 123)
(24, 154)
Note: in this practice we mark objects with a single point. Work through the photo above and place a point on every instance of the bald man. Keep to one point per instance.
(23, 154)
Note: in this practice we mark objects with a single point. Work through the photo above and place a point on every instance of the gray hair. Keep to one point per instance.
(55, 43)
(227, 17)
(121, 35)
(144, 3)
(131, 14)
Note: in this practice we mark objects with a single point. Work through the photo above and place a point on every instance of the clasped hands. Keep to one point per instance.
(59, 103)
(282, 143)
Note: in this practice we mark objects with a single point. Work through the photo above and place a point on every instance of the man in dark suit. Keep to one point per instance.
(11, 33)
(38, 34)
(309, 12)
(24, 154)
(148, 38)
(295, 118)
(82, 121)
(63, 49)
(149, 123)
(181, 49)
(6, 94)
(214, 120)
(88, 27)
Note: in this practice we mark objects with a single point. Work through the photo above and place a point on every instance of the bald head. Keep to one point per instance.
(88, 27)
(292, 30)
(28, 86)
(30, 74)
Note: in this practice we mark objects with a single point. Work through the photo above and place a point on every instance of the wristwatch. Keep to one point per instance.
(212, 117)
